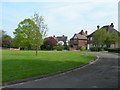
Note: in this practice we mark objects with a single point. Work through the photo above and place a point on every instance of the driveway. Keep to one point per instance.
(101, 74)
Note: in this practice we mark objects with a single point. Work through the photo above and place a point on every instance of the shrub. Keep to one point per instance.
(114, 50)
(46, 47)
(66, 47)
(59, 47)
(83, 48)
(106, 49)
(100, 49)
(43, 47)
(93, 48)
(50, 41)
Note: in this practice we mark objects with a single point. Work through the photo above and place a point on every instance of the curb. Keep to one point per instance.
(50, 74)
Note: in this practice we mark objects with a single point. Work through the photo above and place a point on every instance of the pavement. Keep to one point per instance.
(101, 74)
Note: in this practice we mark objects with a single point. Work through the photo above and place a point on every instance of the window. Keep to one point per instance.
(75, 46)
(91, 38)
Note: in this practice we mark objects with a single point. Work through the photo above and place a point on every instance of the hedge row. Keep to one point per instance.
(117, 50)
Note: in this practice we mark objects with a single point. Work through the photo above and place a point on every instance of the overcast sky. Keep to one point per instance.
(63, 18)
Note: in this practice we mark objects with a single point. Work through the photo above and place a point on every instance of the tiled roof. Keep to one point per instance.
(79, 36)
(61, 38)
(108, 28)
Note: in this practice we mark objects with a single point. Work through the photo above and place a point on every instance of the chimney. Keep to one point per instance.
(86, 32)
(112, 25)
(53, 35)
(98, 27)
(81, 32)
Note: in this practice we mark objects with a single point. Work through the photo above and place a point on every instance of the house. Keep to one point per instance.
(108, 28)
(61, 39)
(78, 40)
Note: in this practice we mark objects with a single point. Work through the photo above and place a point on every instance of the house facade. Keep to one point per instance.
(108, 28)
(82, 39)
(78, 40)
(61, 39)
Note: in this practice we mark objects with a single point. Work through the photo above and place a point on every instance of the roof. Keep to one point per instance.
(108, 28)
(79, 36)
(61, 38)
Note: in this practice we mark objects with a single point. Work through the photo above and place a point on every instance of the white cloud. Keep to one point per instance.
(69, 18)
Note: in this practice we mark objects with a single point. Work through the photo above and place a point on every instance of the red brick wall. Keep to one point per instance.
(117, 45)
(82, 43)
(73, 42)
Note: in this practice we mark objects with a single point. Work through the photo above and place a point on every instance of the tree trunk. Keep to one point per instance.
(29, 47)
(36, 51)
(97, 48)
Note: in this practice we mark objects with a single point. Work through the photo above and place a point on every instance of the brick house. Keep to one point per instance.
(78, 40)
(108, 28)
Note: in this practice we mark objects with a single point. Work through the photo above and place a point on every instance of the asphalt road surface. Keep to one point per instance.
(101, 74)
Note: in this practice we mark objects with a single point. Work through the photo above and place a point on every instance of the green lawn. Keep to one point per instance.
(22, 64)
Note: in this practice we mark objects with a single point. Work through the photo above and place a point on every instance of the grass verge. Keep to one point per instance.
(23, 64)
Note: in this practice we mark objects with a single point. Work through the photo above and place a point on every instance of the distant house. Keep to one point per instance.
(61, 39)
(108, 28)
(78, 40)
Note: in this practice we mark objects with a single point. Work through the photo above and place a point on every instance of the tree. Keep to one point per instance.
(50, 42)
(39, 21)
(28, 35)
(4, 35)
(111, 38)
(5, 40)
(99, 37)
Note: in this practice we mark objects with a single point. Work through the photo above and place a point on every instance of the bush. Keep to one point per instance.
(43, 47)
(66, 47)
(93, 48)
(106, 49)
(100, 49)
(59, 47)
(117, 50)
(46, 47)
(83, 48)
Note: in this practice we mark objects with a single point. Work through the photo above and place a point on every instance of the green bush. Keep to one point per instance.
(83, 48)
(93, 48)
(106, 49)
(46, 47)
(66, 47)
(59, 47)
(100, 49)
(114, 50)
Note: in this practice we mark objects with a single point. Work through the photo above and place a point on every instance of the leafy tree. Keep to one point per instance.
(5, 40)
(4, 35)
(99, 37)
(39, 21)
(50, 42)
(28, 35)
(111, 38)
(102, 37)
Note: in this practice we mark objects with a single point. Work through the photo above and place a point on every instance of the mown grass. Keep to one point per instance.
(23, 64)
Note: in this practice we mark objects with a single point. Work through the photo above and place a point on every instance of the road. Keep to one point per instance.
(101, 74)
